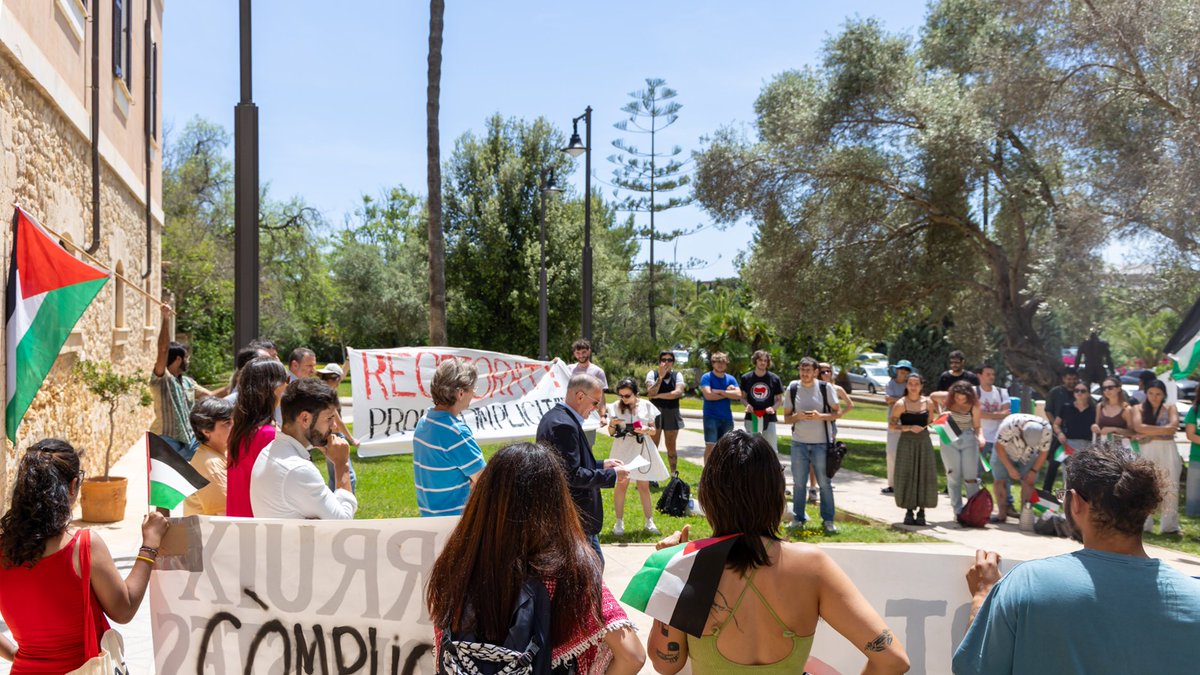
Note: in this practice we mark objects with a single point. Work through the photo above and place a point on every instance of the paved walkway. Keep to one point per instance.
(854, 493)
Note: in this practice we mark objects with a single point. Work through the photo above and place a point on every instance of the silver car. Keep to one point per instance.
(869, 377)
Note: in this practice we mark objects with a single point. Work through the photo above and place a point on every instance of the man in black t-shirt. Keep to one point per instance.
(664, 388)
(956, 372)
(762, 392)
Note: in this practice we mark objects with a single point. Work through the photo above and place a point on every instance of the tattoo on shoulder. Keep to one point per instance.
(880, 643)
(668, 657)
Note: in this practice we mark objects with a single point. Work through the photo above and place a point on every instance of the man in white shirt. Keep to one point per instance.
(284, 482)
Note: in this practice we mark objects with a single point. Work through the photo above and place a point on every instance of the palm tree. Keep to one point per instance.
(437, 244)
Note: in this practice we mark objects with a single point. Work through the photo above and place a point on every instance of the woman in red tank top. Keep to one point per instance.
(260, 386)
(56, 587)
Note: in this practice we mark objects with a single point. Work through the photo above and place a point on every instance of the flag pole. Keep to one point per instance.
(85, 254)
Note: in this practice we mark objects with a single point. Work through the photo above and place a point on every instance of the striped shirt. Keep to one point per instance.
(445, 456)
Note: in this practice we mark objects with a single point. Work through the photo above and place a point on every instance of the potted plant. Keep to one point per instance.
(102, 498)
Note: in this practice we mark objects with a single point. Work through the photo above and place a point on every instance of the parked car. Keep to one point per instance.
(1069, 354)
(873, 378)
(873, 357)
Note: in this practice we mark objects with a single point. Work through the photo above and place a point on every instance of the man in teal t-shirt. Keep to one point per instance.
(1108, 608)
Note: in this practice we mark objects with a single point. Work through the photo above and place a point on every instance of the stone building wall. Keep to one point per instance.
(45, 165)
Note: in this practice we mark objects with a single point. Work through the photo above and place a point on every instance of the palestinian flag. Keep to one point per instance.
(1184, 345)
(946, 428)
(1062, 452)
(756, 421)
(677, 585)
(1042, 507)
(48, 290)
(172, 478)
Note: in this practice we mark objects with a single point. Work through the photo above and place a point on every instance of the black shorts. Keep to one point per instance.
(670, 420)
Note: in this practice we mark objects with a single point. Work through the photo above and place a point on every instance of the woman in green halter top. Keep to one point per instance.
(772, 593)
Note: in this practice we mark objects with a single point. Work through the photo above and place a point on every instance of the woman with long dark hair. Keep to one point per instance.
(1114, 418)
(916, 468)
(260, 387)
(57, 586)
(1157, 421)
(795, 585)
(520, 524)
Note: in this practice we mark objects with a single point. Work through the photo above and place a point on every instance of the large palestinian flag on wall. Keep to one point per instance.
(48, 290)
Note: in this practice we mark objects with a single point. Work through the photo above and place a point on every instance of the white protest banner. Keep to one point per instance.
(391, 392)
(296, 596)
(919, 590)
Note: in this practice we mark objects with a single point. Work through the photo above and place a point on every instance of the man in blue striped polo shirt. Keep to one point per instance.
(446, 458)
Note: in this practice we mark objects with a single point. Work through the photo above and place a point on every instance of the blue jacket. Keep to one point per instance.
(562, 431)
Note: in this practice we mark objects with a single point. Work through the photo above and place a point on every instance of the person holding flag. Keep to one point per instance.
(1073, 424)
(631, 425)
(699, 592)
(762, 394)
(960, 434)
(59, 588)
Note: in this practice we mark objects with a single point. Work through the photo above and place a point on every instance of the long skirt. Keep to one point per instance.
(916, 482)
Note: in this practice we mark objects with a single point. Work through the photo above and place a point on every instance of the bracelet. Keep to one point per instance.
(149, 561)
(151, 550)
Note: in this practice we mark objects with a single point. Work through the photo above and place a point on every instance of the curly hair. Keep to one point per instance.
(961, 387)
(41, 501)
(1121, 488)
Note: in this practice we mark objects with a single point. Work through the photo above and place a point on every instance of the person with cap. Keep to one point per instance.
(1022, 446)
(891, 394)
(332, 375)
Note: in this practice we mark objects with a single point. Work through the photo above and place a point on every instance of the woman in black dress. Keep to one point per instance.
(915, 480)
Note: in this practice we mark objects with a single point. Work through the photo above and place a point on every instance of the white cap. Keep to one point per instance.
(331, 369)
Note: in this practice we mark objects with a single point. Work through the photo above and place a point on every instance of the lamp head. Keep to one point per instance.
(576, 147)
(550, 185)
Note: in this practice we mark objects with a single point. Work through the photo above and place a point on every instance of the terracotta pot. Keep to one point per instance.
(103, 499)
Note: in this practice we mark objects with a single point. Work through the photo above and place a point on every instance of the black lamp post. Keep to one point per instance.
(547, 184)
(576, 148)
(245, 172)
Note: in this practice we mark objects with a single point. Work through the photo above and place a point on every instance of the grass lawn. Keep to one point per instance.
(385, 490)
(871, 459)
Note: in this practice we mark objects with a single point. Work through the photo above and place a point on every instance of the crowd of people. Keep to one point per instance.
(527, 540)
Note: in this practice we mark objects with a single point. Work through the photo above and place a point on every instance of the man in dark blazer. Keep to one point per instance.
(562, 428)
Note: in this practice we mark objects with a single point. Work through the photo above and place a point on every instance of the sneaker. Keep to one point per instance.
(813, 495)
(887, 491)
(653, 485)
(996, 519)
(619, 528)
(1013, 513)
(651, 527)
(830, 528)
(795, 526)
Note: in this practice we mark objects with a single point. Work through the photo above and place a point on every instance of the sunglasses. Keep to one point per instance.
(666, 360)
(1109, 386)
(1081, 391)
(626, 397)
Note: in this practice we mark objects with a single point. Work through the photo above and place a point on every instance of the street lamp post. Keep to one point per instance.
(575, 148)
(546, 184)
(245, 172)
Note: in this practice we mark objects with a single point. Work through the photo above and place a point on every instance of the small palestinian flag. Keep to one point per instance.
(1042, 507)
(946, 428)
(1062, 452)
(985, 461)
(172, 479)
(677, 585)
(48, 290)
(756, 421)
(1135, 446)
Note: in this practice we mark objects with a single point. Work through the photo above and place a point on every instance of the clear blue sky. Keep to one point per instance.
(341, 85)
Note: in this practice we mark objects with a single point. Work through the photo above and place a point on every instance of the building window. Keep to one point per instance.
(119, 297)
(122, 40)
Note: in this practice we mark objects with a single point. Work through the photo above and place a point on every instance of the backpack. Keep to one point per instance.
(977, 510)
(526, 650)
(674, 498)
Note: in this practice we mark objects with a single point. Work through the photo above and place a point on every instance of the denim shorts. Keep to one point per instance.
(1000, 473)
(715, 428)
